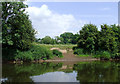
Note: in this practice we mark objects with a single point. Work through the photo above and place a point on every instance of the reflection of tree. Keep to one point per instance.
(22, 73)
(98, 72)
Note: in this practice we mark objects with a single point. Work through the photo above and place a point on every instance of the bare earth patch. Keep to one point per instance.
(61, 50)
(69, 56)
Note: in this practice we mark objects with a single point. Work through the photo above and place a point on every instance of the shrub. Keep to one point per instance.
(25, 56)
(75, 47)
(116, 56)
(35, 53)
(57, 53)
(97, 54)
(105, 55)
(8, 53)
(78, 51)
(40, 52)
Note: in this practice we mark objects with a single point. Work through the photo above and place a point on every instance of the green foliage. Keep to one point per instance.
(67, 36)
(88, 38)
(108, 40)
(57, 53)
(47, 40)
(35, 53)
(8, 53)
(17, 30)
(59, 40)
(102, 44)
(40, 52)
(105, 55)
(25, 55)
(78, 51)
(75, 38)
(84, 55)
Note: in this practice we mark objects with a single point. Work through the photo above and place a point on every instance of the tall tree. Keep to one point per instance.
(17, 30)
(88, 38)
(108, 38)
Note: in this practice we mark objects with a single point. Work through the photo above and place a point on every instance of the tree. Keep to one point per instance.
(67, 37)
(17, 30)
(47, 40)
(59, 40)
(75, 38)
(108, 39)
(88, 38)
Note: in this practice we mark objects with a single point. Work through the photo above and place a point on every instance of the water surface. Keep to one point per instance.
(104, 71)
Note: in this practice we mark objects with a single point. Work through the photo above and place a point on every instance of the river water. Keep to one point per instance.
(95, 71)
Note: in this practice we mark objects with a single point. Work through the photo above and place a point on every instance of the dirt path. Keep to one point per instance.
(69, 56)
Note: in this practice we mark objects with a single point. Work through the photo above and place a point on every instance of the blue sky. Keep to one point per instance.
(79, 13)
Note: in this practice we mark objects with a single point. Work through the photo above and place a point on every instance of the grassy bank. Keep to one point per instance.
(36, 52)
(61, 46)
(103, 55)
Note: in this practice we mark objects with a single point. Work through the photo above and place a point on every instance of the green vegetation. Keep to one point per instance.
(17, 31)
(83, 55)
(61, 46)
(104, 44)
(65, 38)
(57, 53)
(36, 52)
(19, 42)
(78, 51)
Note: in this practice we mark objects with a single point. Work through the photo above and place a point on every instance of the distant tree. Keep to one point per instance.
(67, 37)
(47, 40)
(59, 40)
(17, 30)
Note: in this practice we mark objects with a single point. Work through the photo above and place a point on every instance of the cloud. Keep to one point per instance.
(46, 22)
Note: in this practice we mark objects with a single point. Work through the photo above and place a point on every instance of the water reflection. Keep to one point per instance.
(56, 77)
(22, 73)
(61, 72)
(98, 72)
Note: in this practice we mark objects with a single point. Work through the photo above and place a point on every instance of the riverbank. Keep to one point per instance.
(44, 53)
(69, 56)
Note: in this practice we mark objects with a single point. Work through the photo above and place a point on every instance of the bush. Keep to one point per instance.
(78, 51)
(35, 53)
(25, 56)
(75, 47)
(105, 55)
(116, 56)
(8, 54)
(97, 54)
(57, 53)
(40, 52)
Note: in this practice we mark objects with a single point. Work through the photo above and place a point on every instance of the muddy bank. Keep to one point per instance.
(69, 56)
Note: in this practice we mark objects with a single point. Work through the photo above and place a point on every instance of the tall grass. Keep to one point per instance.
(36, 52)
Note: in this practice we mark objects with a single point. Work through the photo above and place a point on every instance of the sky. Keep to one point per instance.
(55, 18)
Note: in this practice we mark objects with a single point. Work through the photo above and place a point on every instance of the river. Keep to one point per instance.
(95, 71)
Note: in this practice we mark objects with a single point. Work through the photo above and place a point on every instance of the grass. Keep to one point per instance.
(36, 52)
(61, 46)
(83, 55)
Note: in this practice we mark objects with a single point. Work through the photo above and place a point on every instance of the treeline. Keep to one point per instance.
(104, 44)
(65, 38)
